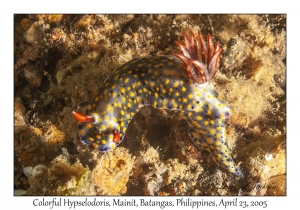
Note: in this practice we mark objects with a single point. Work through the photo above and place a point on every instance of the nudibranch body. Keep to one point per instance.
(180, 83)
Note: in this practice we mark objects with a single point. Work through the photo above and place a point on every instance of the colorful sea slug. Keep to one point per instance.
(181, 83)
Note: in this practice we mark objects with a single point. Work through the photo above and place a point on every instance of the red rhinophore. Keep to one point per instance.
(83, 118)
(116, 138)
(201, 61)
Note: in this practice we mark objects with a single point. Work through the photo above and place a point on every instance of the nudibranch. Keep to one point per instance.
(181, 83)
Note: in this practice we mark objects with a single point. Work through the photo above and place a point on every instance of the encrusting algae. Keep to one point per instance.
(61, 61)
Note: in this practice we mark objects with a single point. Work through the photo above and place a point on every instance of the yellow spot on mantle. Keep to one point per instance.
(209, 140)
(199, 118)
(131, 94)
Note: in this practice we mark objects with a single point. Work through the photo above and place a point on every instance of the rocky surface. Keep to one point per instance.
(60, 61)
